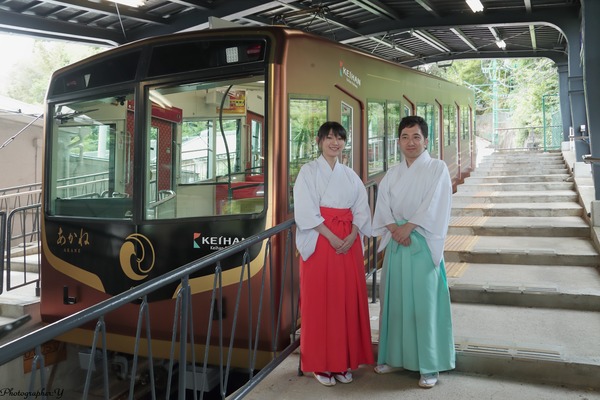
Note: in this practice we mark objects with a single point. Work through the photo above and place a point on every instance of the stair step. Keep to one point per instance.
(516, 186)
(521, 250)
(548, 345)
(521, 164)
(505, 172)
(519, 226)
(472, 180)
(558, 209)
(556, 286)
(514, 196)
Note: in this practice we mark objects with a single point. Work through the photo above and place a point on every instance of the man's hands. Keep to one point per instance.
(401, 233)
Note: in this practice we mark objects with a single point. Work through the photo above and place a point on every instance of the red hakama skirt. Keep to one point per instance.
(335, 330)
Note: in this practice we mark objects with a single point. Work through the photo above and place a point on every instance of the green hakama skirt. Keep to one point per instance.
(416, 320)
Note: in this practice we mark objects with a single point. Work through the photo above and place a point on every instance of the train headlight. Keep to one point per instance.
(232, 55)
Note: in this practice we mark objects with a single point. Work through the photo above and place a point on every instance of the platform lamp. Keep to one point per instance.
(475, 5)
(130, 3)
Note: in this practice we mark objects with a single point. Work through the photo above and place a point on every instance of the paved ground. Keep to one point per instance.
(285, 384)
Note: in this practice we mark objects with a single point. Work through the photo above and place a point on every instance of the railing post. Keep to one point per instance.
(183, 329)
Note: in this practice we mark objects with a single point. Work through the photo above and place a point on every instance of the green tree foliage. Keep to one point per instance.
(30, 77)
(518, 87)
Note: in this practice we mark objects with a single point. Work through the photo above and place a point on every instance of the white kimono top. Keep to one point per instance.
(317, 185)
(421, 194)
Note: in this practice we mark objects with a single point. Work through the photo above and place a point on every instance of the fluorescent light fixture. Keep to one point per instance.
(499, 41)
(475, 5)
(130, 3)
(159, 99)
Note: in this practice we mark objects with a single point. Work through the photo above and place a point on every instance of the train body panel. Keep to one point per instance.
(195, 144)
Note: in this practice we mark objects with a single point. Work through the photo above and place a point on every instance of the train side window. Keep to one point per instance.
(464, 122)
(306, 116)
(376, 134)
(394, 155)
(91, 158)
(427, 111)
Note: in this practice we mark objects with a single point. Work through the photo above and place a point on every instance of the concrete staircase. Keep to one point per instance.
(522, 271)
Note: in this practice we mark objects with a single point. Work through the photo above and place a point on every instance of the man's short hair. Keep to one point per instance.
(412, 120)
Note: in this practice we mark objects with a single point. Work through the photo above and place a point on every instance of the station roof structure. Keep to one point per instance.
(409, 32)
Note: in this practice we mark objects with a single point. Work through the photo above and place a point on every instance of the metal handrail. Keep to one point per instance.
(2, 244)
(29, 233)
(588, 159)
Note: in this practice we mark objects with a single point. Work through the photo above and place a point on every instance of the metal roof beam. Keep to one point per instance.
(464, 38)
(431, 40)
(533, 37)
(400, 49)
(54, 29)
(428, 7)
(557, 17)
(110, 10)
(377, 8)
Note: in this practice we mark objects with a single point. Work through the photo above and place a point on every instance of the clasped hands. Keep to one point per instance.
(342, 246)
(401, 233)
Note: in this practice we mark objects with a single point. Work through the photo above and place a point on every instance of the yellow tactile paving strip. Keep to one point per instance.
(460, 242)
(456, 269)
(468, 221)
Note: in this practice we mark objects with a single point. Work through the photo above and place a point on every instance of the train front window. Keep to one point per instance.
(91, 159)
(205, 151)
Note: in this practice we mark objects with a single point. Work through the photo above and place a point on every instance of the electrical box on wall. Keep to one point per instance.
(214, 97)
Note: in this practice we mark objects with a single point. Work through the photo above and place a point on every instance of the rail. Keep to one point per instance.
(372, 264)
(22, 251)
(18, 196)
(2, 245)
(546, 137)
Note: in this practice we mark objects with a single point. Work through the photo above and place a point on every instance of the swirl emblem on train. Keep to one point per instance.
(137, 256)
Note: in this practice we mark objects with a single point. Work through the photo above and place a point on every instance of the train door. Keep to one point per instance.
(353, 154)
(161, 157)
(409, 109)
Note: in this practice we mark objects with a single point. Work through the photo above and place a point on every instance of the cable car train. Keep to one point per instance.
(165, 150)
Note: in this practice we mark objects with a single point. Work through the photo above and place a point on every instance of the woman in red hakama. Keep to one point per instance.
(332, 216)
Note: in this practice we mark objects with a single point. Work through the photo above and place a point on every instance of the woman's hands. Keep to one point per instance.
(341, 246)
(347, 242)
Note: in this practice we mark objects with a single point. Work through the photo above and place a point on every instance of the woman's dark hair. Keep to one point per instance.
(336, 127)
(410, 121)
